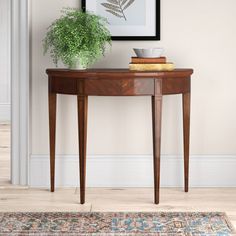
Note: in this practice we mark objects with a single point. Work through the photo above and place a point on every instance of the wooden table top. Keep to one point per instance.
(118, 73)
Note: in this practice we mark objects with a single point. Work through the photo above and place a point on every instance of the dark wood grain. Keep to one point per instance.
(82, 123)
(52, 102)
(119, 82)
(118, 73)
(119, 87)
(175, 85)
(63, 85)
(156, 124)
(186, 129)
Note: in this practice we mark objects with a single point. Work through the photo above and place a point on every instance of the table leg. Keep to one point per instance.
(186, 129)
(82, 117)
(156, 123)
(52, 102)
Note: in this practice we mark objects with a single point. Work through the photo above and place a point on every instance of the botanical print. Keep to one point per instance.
(123, 12)
(118, 7)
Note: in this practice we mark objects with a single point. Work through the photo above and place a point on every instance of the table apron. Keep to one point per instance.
(119, 87)
(176, 85)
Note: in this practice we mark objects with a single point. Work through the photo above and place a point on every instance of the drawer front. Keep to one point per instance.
(176, 85)
(63, 85)
(119, 87)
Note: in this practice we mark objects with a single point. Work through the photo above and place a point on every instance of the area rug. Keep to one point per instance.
(98, 224)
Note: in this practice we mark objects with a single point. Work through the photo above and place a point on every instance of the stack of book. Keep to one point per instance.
(150, 64)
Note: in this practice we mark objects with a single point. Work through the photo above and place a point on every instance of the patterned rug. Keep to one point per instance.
(163, 224)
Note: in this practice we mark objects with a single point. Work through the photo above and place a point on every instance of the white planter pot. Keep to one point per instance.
(76, 65)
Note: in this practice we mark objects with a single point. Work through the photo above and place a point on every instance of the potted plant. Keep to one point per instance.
(78, 38)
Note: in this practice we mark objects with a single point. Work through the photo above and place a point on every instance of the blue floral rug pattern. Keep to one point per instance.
(99, 224)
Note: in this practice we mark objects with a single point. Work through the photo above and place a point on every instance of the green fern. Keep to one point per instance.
(77, 34)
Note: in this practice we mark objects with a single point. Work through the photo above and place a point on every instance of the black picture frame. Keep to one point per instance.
(157, 36)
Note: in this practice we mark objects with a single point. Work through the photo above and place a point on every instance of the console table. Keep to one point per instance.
(119, 82)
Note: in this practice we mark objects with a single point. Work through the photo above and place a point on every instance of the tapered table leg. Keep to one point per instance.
(52, 102)
(82, 118)
(156, 123)
(186, 129)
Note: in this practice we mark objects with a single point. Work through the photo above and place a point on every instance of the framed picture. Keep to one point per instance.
(128, 19)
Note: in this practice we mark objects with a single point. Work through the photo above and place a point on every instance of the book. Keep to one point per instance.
(142, 60)
(152, 67)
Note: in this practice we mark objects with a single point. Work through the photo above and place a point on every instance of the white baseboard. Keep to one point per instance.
(5, 112)
(135, 171)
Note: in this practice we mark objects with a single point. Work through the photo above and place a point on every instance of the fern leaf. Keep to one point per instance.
(113, 1)
(128, 4)
(123, 2)
(111, 7)
(114, 13)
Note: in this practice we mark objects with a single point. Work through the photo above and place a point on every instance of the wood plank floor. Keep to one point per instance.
(107, 199)
(131, 199)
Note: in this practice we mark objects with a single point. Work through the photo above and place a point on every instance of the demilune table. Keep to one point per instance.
(119, 82)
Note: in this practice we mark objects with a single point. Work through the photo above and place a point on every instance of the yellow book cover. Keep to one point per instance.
(152, 67)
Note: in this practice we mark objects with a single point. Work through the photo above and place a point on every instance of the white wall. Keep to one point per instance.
(196, 34)
(5, 60)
